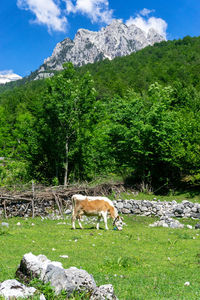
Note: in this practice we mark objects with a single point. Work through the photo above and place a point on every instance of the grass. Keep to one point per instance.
(187, 193)
(140, 262)
(179, 197)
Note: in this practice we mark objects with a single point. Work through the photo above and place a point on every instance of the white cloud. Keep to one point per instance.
(96, 10)
(53, 14)
(146, 11)
(143, 22)
(7, 76)
(46, 13)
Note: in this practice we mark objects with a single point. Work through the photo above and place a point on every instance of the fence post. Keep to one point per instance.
(58, 203)
(4, 206)
(32, 201)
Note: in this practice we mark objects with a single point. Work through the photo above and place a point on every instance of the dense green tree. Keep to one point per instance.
(153, 141)
(16, 146)
(5, 133)
(64, 122)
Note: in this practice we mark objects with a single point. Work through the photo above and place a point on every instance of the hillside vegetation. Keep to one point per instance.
(165, 62)
(137, 117)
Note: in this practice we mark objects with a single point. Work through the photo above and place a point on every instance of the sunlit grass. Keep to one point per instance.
(141, 262)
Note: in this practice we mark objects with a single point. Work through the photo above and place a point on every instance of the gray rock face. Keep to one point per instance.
(69, 279)
(34, 266)
(117, 39)
(13, 289)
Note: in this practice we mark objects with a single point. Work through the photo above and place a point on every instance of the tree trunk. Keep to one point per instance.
(66, 162)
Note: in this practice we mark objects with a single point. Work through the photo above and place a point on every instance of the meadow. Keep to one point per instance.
(140, 262)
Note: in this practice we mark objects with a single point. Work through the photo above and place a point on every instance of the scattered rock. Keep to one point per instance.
(103, 292)
(15, 289)
(64, 256)
(32, 266)
(4, 224)
(61, 279)
(197, 226)
(167, 222)
(189, 226)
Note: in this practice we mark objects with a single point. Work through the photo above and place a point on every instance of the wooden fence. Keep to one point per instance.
(33, 194)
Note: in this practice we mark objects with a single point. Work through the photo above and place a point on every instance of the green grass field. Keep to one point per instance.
(178, 197)
(140, 262)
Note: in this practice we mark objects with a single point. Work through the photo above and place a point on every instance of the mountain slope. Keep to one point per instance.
(115, 40)
(165, 62)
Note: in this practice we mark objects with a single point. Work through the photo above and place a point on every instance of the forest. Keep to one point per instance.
(136, 117)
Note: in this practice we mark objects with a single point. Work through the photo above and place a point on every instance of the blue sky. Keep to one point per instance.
(30, 29)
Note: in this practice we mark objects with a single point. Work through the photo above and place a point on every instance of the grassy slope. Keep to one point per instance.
(141, 262)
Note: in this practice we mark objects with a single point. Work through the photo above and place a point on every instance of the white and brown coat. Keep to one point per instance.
(94, 206)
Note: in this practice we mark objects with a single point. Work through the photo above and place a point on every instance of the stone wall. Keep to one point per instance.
(137, 207)
(41, 208)
(185, 209)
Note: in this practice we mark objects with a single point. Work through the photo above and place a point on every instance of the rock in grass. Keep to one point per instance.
(64, 256)
(4, 224)
(197, 226)
(41, 267)
(70, 280)
(189, 226)
(32, 266)
(13, 289)
(104, 292)
(166, 221)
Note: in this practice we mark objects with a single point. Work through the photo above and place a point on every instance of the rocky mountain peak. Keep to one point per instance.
(116, 39)
(154, 37)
